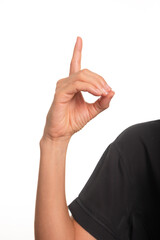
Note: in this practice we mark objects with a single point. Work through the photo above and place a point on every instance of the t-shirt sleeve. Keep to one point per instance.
(102, 206)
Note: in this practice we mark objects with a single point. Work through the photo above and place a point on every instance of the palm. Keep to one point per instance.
(67, 118)
(79, 112)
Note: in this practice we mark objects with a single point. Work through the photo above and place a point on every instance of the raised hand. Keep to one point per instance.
(69, 112)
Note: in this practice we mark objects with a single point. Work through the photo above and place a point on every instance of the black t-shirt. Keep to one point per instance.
(121, 199)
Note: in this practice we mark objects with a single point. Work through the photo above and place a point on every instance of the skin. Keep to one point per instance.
(68, 114)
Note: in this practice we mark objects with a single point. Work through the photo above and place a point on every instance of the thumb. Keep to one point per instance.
(101, 104)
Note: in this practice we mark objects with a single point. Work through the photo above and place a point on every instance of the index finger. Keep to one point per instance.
(75, 65)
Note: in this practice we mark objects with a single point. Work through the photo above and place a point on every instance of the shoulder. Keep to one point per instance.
(133, 137)
(138, 130)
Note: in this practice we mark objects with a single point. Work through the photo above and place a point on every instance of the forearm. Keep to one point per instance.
(52, 220)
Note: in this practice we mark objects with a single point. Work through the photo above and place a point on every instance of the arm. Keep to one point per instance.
(52, 220)
(67, 115)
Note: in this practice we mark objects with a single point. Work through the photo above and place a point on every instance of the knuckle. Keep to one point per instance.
(58, 82)
(102, 81)
(75, 84)
(75, 61)
(85, 70)
(80, 74)
(58, 85)
(71, 63)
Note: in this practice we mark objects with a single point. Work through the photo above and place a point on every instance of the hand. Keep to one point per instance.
(69, 112)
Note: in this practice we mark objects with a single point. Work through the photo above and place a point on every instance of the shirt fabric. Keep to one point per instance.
(121, 199)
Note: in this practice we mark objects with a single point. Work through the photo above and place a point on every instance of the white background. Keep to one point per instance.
(121, 42)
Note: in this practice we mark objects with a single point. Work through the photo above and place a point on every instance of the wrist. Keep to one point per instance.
(59, 141)
(54, 149)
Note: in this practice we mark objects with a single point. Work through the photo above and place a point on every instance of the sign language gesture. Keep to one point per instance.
(69, 112)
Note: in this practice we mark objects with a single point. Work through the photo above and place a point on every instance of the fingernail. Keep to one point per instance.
(79, 43)
(97, 91)
(112, 94)
(108, 87)
(105, 91)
